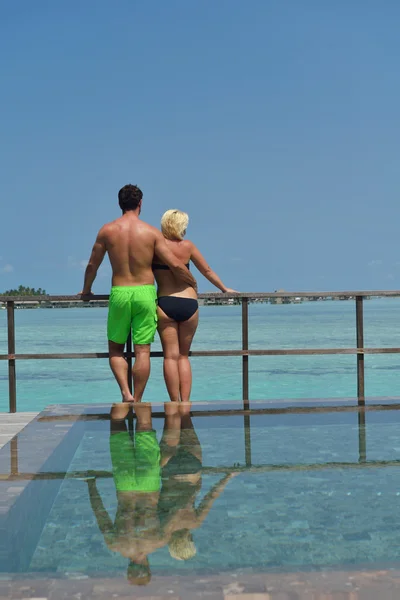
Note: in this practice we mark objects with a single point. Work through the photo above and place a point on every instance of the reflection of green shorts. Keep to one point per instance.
(132, 306)
(136, 468)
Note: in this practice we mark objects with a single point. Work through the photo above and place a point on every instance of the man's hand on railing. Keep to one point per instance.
(85, 296)
(231, 291)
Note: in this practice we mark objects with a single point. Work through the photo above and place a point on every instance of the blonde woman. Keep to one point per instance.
(181, 469)
(178, 314)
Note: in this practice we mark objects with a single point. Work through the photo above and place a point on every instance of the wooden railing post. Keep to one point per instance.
(247, 440)
(12, 381)
(362, 436)
(129, 360)
(360, 344)
(14, 455)
(245, 359)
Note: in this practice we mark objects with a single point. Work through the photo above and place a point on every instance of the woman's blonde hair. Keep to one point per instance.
(173, 224)
(181, 545)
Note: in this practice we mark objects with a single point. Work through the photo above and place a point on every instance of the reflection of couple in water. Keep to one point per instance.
(156, 485)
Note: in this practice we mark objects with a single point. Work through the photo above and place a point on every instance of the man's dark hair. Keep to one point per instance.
(129, 197)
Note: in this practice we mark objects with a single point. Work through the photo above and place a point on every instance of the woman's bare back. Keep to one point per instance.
(166, 282)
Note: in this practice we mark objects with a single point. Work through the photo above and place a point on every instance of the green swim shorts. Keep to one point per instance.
(132, 306)
(136, 468)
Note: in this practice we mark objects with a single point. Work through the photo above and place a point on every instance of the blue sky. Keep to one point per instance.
(274, 124)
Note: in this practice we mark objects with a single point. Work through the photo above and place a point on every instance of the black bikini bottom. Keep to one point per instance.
(177, 308)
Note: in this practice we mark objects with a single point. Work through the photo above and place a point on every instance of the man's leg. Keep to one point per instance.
(118, 327)
(172, 432)
(119, 367)
(144, 324)
(140, 370)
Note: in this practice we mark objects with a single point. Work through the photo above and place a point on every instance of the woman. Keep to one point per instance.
(178, 313)
(181, 470)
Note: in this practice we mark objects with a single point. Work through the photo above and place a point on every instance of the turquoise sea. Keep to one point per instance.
(312, 324)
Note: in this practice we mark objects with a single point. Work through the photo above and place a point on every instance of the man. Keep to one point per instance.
(135, 531)
(131, 245)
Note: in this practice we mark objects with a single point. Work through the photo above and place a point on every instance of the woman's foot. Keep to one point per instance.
(185, 408)
(171, 408)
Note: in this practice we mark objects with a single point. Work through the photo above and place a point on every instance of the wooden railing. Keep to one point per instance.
(359, 350)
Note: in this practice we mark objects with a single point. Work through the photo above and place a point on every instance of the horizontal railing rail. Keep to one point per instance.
(245, 352)
(373, 464)
(217, 295)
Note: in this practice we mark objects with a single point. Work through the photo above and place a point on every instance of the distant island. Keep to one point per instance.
(24, 291)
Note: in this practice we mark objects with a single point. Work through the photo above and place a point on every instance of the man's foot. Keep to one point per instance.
(143, 416)
(120, 411)
(127, 397)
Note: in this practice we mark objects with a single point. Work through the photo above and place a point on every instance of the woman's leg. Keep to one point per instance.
(168, 330)
(186, 331)
(172, 432)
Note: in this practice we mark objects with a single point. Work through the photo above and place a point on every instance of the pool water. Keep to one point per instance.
(201, 493)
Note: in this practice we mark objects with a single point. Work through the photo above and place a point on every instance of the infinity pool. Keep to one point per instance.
(191, 492)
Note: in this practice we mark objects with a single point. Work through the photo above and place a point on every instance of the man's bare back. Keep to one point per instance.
(130, 245)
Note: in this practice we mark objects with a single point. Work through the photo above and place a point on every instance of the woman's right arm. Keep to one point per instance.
(201, 264)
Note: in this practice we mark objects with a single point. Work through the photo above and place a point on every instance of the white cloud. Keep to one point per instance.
(75, 263)
(7, 269)
(390, 276)
(374, 263)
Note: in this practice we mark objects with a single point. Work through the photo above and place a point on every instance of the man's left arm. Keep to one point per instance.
(96, 258)
(102, 517)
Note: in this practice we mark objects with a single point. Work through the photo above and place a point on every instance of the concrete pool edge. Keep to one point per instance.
(321, 585)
